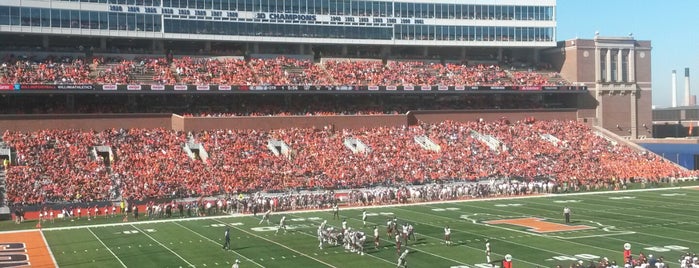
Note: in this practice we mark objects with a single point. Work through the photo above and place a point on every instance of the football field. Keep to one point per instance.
(531, 229)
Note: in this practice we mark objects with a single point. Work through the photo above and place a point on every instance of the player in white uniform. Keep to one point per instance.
(266, 216)
(389, 228)
(447, 235)
(402, 260)
(236, 264)
(282, 225)
(405, 233)
(360, 239)
(376, 237)
(487, 250)
(344, 225)
(320, 236)
(397, 242)
(364, 217)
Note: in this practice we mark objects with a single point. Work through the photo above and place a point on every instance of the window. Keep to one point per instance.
(603, 64)
(4, 15)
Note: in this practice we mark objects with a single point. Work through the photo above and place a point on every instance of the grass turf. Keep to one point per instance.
(654, 222)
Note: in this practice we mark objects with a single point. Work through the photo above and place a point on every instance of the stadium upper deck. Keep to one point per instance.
(430, 23)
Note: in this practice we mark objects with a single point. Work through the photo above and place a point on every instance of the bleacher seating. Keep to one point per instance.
(56, 164)
(261, 71)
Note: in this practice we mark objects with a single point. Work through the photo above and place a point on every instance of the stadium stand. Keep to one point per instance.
(259, 71)
(56, 165)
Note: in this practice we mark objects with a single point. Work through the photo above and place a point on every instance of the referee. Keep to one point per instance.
(227, 243)
(566, 213)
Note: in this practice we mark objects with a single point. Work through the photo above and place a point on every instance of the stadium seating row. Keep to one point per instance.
(273, 71)
(57, 165)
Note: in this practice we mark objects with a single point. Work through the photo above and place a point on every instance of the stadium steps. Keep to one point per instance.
(97, 68)
(102, 153)
(331, 79)
(173, 71)
(195, 150)
(492, 142)
(356, 146)
(3, 204)
(142, 75)
(552, 139)
(279, 148)
(427, 143)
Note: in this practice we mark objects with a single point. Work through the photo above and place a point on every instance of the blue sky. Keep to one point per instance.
(671, 25)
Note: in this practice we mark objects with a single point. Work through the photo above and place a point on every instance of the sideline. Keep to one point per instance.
(46, 243)
(360, 208)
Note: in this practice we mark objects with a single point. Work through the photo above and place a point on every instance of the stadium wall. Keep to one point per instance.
(682, 153)
(493, 115)
(277, 122)
(29, 123)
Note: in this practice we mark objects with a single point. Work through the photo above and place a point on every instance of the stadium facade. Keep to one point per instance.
(338, 26)
(616, 71)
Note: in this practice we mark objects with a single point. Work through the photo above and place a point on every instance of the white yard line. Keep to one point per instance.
(49, 249)
(161, 244)
(105, 246)
(212, 241)
(282, 245)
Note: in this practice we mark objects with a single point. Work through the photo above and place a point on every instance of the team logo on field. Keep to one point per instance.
(24, 249)
(538, 225)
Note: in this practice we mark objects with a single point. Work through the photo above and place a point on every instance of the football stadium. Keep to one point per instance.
(324, 133)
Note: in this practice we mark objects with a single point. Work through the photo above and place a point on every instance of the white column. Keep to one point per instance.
(619, 64)
(632, 66)
(598, 65)
(609, 66)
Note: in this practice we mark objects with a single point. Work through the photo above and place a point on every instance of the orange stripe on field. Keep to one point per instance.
(540, 225)
(39, 255)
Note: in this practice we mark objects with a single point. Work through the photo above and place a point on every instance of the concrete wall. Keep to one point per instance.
(277, 122)
(176, 122)
(84, 121)
(493, 115)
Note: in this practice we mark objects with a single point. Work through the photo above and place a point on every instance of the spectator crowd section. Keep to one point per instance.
(277, 71)
(56, 165)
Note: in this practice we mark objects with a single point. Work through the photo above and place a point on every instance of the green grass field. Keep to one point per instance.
(662, 222)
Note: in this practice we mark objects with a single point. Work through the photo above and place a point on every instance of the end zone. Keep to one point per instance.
(22, 249)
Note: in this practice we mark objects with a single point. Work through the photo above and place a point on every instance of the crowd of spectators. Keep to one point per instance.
(56, 165)
(256, 71)
(50, 70)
